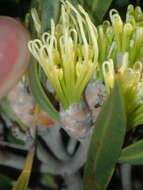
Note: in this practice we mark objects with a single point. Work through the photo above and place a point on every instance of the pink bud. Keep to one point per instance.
(14, 55)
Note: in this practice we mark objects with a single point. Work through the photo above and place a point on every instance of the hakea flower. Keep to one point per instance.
(131, 80)
(117, 37)
(68, 54)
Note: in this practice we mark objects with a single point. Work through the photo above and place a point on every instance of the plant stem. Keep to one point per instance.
(126, 177)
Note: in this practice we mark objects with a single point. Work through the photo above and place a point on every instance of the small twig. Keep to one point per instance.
(68, 167)
(15, 146)
(11, 160)
(52, 137)
(71, 146)
(126, 177)
(73, 182)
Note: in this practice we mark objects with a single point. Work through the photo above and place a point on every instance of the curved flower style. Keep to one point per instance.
(117, 37)
(68, 54)
(131, 80)
(121, 56)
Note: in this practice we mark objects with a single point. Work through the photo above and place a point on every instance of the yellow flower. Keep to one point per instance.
(68, 54)
(121, 56)
(131, 80)
(116, 36)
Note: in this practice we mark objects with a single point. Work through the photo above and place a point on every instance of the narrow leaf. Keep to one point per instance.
(106, 142)
(132, 154)
(50, 10)
(39, 94)
(98, 8)
(23, 180)
(6, 108)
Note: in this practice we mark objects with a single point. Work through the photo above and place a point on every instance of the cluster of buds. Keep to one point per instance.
(117, 37)
(121, 56)
(131, 80)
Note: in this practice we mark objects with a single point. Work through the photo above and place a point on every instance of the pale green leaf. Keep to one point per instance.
(132, 154)
(39, 94)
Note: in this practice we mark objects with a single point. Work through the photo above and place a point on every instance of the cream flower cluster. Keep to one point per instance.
(68, 54)
(118, 37)
(121, 57)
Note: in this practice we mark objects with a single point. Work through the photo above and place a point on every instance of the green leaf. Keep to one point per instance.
(39, 94)
(98, 8)
(50, 10)
(106, 142)
(136, 117)
(132, 154)
(6, 108)
(23, 180)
